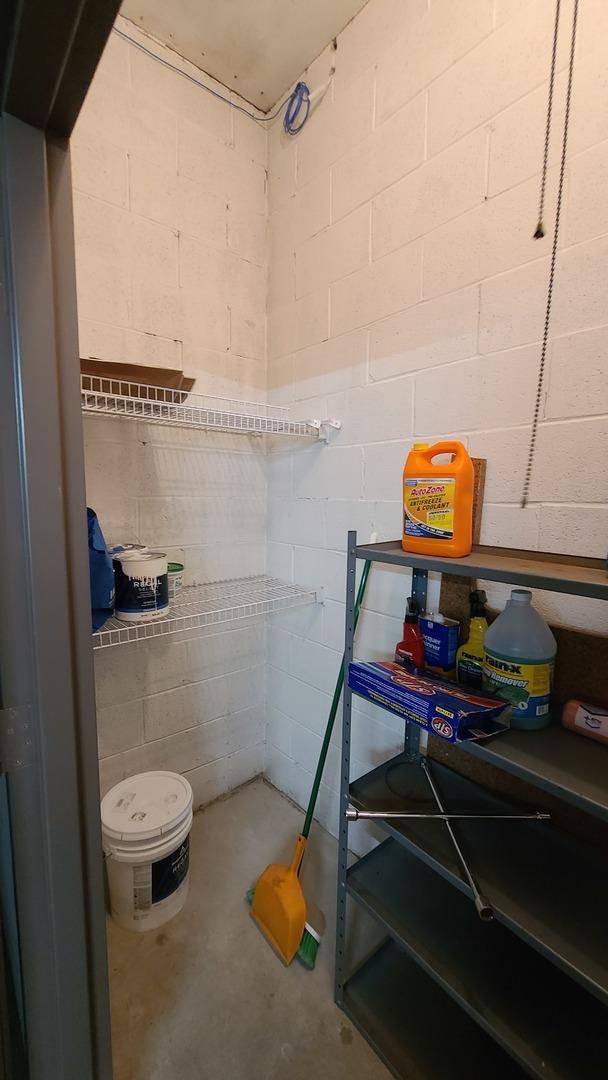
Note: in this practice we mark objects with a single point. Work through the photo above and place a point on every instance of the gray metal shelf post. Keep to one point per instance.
(347, 697)
(420, 580)
(411, 745)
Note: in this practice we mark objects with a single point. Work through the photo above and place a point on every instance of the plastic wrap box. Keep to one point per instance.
(454, 713)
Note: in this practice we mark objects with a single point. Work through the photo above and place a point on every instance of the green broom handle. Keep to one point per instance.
(332, 712)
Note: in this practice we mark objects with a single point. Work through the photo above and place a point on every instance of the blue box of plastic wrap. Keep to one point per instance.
(454, 713)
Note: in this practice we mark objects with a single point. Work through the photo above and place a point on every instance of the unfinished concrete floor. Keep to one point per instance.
(205, 998)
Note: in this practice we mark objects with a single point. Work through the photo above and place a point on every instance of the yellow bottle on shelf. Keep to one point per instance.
(438, 500)
(470, 656)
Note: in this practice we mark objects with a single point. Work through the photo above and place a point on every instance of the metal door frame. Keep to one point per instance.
(48, 738)
(45, 649)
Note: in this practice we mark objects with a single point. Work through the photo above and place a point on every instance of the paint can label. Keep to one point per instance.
(169, 873)
(140, 594)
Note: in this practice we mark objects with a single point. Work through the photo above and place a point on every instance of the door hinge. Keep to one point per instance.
(16, 744)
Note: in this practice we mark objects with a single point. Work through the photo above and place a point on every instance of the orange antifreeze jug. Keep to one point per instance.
(438, 501)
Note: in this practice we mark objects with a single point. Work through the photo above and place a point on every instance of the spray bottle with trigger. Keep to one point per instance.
(411, 649)
(469, 658)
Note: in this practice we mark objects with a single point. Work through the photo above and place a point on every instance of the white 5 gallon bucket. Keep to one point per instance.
(146, 821)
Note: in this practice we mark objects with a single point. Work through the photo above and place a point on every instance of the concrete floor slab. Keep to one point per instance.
(205, 998)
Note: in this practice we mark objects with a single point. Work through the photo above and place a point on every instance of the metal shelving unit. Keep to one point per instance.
(559, 761)
(103, 396)
(206, 605)
(414, 1027)
(534, 981)
(479, 964)
(532, 569)
(521, 867)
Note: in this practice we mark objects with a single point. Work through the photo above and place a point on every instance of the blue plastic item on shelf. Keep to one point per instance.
(101, 573)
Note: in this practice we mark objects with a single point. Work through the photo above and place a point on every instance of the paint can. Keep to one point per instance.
(142, 588)
(176, 579)
(146, 821)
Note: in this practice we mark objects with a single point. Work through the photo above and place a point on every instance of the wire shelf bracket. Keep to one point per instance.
(326, 428)
(106, 396)
(199, 606)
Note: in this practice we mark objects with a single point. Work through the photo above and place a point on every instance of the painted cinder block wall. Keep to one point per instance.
(406, 297)
(170, 223)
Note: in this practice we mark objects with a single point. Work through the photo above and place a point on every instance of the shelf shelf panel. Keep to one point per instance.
(544, 885)
(533, 569)
(206, 605)
(178, 408)
(549, 1025)
(413, 1025)
(565, 764)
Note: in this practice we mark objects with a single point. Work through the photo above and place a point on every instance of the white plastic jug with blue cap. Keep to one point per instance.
(519, 657)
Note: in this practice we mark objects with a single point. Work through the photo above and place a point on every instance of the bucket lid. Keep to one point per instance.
(126, 549)
(145, 564)
(146, 805)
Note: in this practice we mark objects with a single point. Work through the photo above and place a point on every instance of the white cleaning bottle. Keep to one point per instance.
(519, 657)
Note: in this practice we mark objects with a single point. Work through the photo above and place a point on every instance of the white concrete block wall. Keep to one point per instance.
(196, 705)
(170, 217)
(431, 135)
(171, 252)
(386, 276)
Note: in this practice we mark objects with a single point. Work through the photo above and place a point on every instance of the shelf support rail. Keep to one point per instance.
(412, 744)
(347, 696)
(107, 396)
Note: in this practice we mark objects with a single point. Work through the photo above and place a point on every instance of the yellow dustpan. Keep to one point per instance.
(278, 904)
(277, 901)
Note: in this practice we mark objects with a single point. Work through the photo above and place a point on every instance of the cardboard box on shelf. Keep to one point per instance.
(451, 712)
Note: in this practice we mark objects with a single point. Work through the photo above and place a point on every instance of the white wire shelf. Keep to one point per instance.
(207, 605)
(104, 396)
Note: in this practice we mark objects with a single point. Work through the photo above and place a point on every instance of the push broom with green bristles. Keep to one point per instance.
(277, 900)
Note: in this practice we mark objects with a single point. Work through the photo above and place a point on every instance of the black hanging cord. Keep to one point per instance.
(558, 209)
(540, 228)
